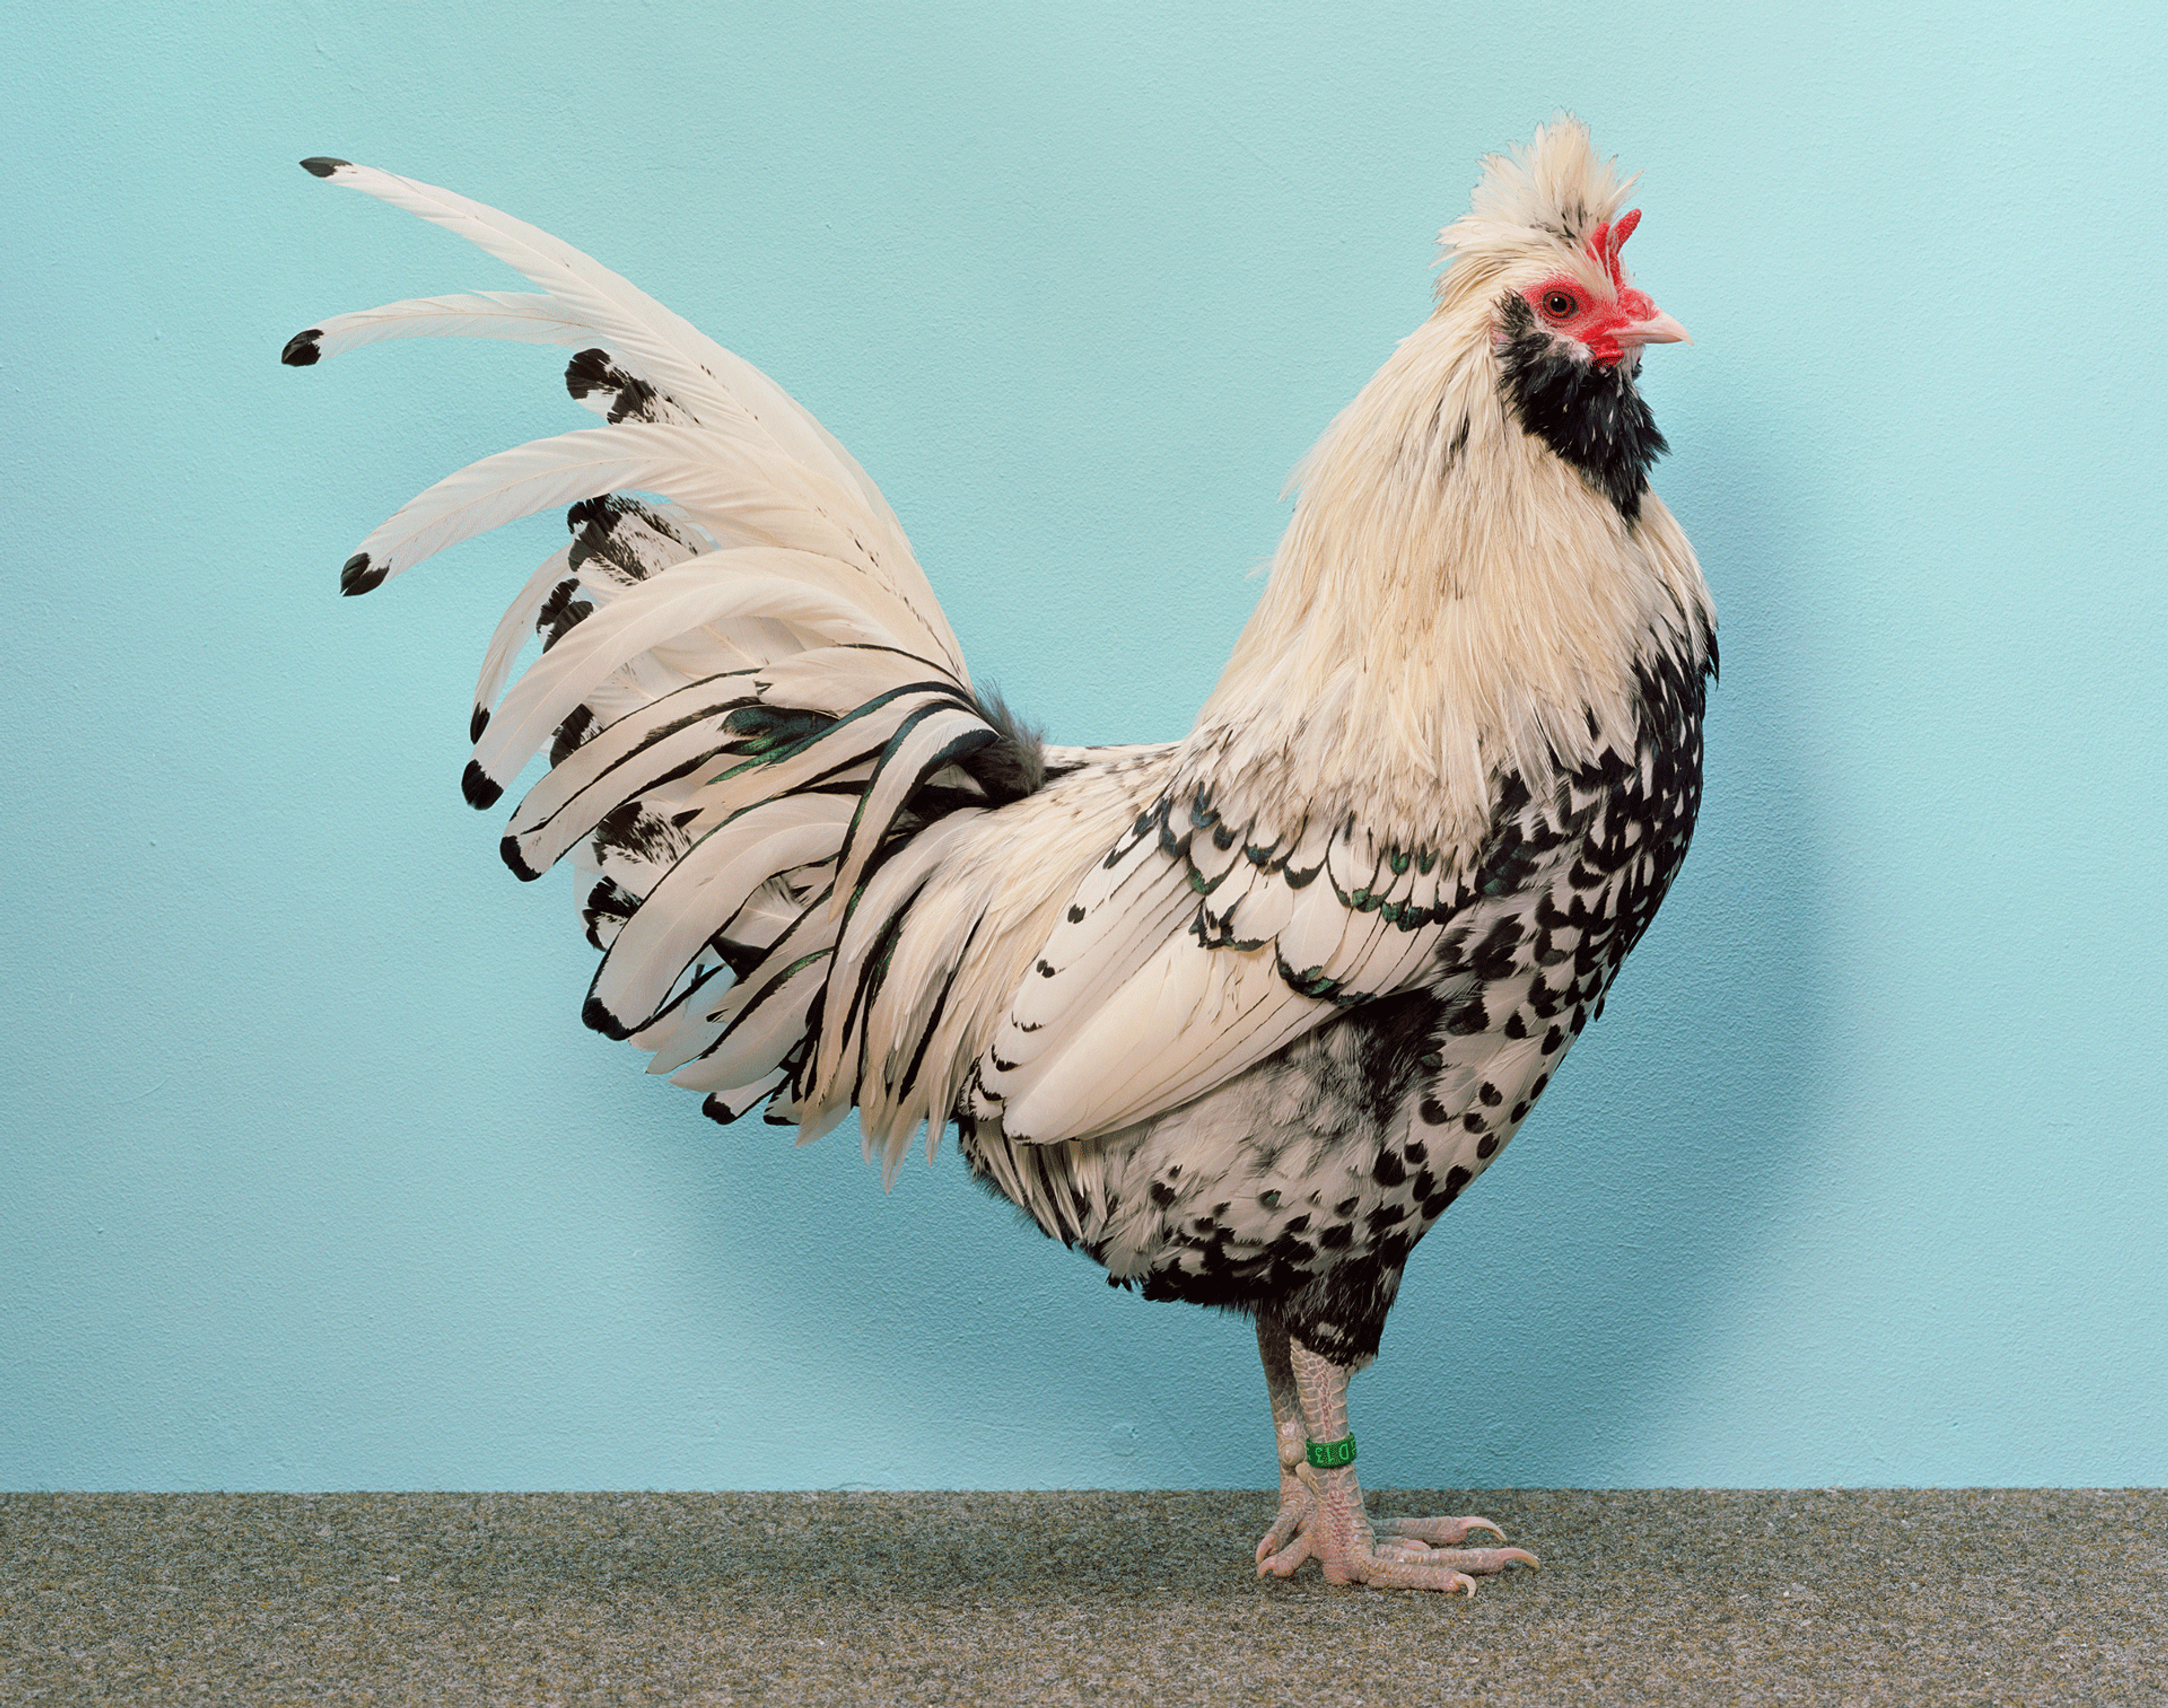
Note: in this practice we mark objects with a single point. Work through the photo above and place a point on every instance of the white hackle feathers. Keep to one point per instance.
(1449, 602)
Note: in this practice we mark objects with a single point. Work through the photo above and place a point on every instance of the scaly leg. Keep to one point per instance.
(1321, 1510)
(1290, 1438)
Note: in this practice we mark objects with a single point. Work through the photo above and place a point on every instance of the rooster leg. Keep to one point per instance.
(1291, 1438)
(1321, 1510)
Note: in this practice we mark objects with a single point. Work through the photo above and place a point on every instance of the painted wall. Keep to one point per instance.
(311, 1178)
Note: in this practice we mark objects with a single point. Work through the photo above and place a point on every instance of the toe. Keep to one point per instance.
(1441, 1532)
(1382, 1573)
(1284, 1527)
(1284, 1563)
(1483, 1561)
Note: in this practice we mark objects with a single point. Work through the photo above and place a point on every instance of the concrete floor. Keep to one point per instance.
(1688, 1596)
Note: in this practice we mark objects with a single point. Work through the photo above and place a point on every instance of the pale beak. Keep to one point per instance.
(1659, 328)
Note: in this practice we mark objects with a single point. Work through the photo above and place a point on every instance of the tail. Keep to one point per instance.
(762, 734)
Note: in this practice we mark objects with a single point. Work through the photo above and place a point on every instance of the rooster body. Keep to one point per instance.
(1238, 1015)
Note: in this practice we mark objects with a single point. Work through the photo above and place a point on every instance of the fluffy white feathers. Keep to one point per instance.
(1554, 190)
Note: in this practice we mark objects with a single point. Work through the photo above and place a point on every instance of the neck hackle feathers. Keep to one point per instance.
(1451, 599)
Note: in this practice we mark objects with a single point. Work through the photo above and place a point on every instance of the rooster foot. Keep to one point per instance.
(1322, 1517)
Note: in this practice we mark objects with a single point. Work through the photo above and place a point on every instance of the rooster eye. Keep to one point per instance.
(1559, 305)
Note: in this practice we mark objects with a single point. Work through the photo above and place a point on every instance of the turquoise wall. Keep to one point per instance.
(311, 1178)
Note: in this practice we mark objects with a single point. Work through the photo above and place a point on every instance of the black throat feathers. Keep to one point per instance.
(1590, 415)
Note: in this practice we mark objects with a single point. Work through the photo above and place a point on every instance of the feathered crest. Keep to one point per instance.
(1553, 192)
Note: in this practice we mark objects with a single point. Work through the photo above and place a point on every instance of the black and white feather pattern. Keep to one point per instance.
(1239, 1015)
(1307, 1181)
(749, 696)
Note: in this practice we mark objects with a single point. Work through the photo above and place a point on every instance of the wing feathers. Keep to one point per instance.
(1170, 1028)
(1192, 952)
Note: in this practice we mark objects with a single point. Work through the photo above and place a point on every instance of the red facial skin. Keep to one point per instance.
(1564, 304)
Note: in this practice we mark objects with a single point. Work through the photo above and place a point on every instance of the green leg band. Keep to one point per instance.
(1330, 1455)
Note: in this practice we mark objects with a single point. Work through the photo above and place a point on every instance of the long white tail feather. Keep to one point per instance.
(705, 1022)
(707, 589)
(866, 942)
(720, 576)
(521, 317)
(677, 733)
(842, 762)
(876, 977)
(762, 1033)
(780, 903)
(730, 1105)
(556, 813)
(762, 499)
(699, 897)
(655, 764)
(667, 350)
(704, 747)
(840, 679)
(931, 737)
(514, 630)
(518, 482)
(680, 1034)
(662, 344)
(904, 1013)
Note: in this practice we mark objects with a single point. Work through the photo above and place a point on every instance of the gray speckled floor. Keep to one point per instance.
(1689, 1596)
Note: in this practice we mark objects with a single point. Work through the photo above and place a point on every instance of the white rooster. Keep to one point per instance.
(1238, 1015)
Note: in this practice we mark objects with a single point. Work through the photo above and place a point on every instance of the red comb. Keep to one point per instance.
(1607, 239)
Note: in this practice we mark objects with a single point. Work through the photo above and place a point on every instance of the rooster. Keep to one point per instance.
(1238, 1015)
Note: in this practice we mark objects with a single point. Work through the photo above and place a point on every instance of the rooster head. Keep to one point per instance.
(1588, 312)
(1538, 259)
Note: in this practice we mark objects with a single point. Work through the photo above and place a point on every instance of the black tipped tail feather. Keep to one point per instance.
(597, 1017)
(482, 791)
(360, 576)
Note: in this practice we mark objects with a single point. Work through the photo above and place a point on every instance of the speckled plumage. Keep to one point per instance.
(1239, 1016)
(1303, 1184)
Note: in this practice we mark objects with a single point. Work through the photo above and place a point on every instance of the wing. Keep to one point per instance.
(1198, 946)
